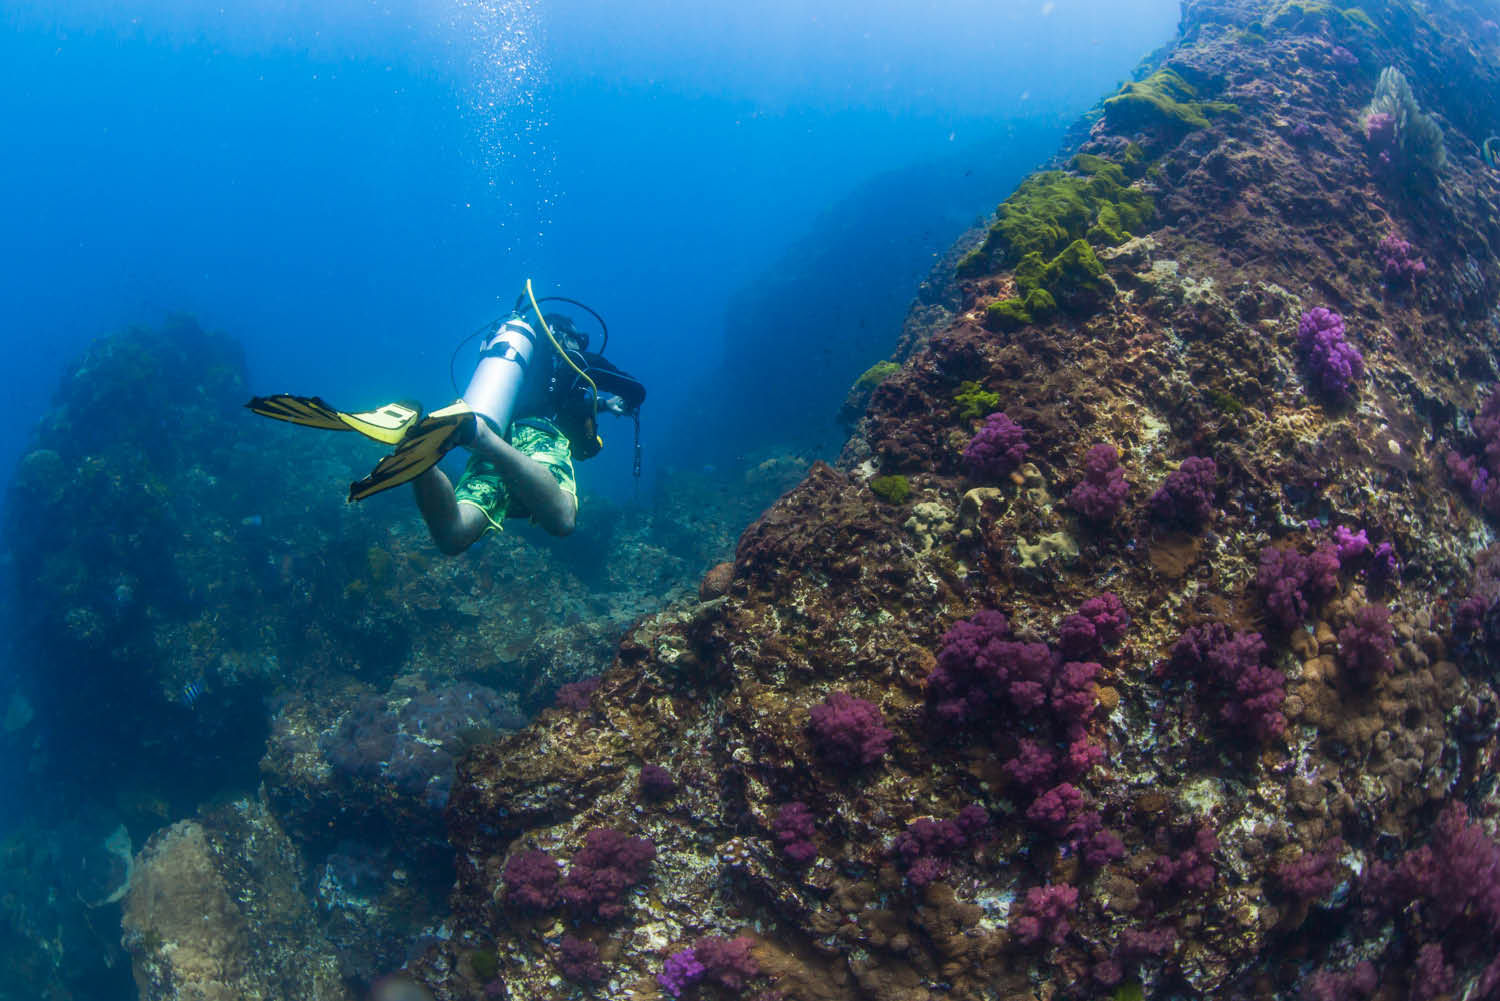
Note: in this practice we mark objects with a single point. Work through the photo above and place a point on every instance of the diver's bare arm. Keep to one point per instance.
(550, 505)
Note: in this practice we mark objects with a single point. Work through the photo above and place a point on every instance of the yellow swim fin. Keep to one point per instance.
(423, 446)
(387, 424)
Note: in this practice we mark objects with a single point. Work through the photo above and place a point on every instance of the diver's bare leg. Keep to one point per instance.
(454, 526)
(551, 507)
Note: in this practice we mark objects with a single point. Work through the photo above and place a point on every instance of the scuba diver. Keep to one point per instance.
(530, 408)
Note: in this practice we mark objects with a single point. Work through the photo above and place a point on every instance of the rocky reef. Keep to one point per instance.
(199, 613)
(1141, 643)
(1177, 680)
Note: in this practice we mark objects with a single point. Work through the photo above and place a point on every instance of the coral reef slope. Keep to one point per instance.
(1158, 684)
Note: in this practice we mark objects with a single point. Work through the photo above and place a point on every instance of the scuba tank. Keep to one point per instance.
(561, 380)
(504, 361)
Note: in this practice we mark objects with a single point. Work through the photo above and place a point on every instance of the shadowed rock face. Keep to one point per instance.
(1228, 878)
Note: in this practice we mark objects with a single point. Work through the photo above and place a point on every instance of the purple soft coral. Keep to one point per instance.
(1192, 868)
(714, 959)
(848, 732)
(1043, 915)
(1366, 644)
(681, 970)
(1399, 263)
(1101, 493)
(979, 668)
(1291, 582)
(1334, 364)
(1232, 665)
(996, 449)
(656, 783)
(603, 871)
(1186, 496)
(578, 959)
(794, 830)
(531, 879)
(1355, 984)
(926, 845)
(1455, 879)
(1311, 875)
(1099, 621)
(1479, 475)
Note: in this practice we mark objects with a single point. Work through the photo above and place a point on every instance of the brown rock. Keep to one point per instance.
(716, 582)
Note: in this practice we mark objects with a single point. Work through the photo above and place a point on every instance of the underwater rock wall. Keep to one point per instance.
(1136, 647)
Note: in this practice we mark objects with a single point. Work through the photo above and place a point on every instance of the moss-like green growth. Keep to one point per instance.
(1053, 208)
(1295, 13)
(891, 489)
(1163, 98)
(1074, 279)
(1224, 402)
(876, 374)
(1016, 312)
(1132, 991)
(486, 964)
(974, 401)
(1007, 314)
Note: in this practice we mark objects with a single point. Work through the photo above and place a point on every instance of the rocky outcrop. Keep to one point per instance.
(1253, 765)
(216, 913)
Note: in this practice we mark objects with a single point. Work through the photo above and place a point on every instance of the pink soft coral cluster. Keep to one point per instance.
(848, 732)
(1366, 644)
(927, 845)
(1231, 667)
(1333, 364)
(1042, 701)
(604, 870)
(794, 830)
(1101, 493)
(1100, 621)
(1191, 868)
(997, 448)
(1478, 475)
(1292, 583)
(1043, 915)
(1186, 496)
(1399, 262)
(727, 962)
(1311, 875)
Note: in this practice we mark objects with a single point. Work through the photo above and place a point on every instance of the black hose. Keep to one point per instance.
(603, 327)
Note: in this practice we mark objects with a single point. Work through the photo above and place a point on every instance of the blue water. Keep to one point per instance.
(349, 188)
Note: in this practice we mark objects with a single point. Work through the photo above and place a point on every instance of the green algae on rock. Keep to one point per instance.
(876, 374)
(891, 489)
(1162, 99)
(1052, 209)
(974, 401)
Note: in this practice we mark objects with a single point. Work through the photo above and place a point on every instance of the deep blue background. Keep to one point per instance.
(351, 187)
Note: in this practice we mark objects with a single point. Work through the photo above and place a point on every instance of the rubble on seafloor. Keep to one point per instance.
(1113, 723)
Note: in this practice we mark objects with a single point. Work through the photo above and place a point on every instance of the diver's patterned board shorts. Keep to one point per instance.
(482, 486)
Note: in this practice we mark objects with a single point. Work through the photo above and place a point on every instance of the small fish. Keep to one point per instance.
(191, 692)
(251, 521)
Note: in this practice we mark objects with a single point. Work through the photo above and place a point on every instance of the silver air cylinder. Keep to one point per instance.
(504, 360)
